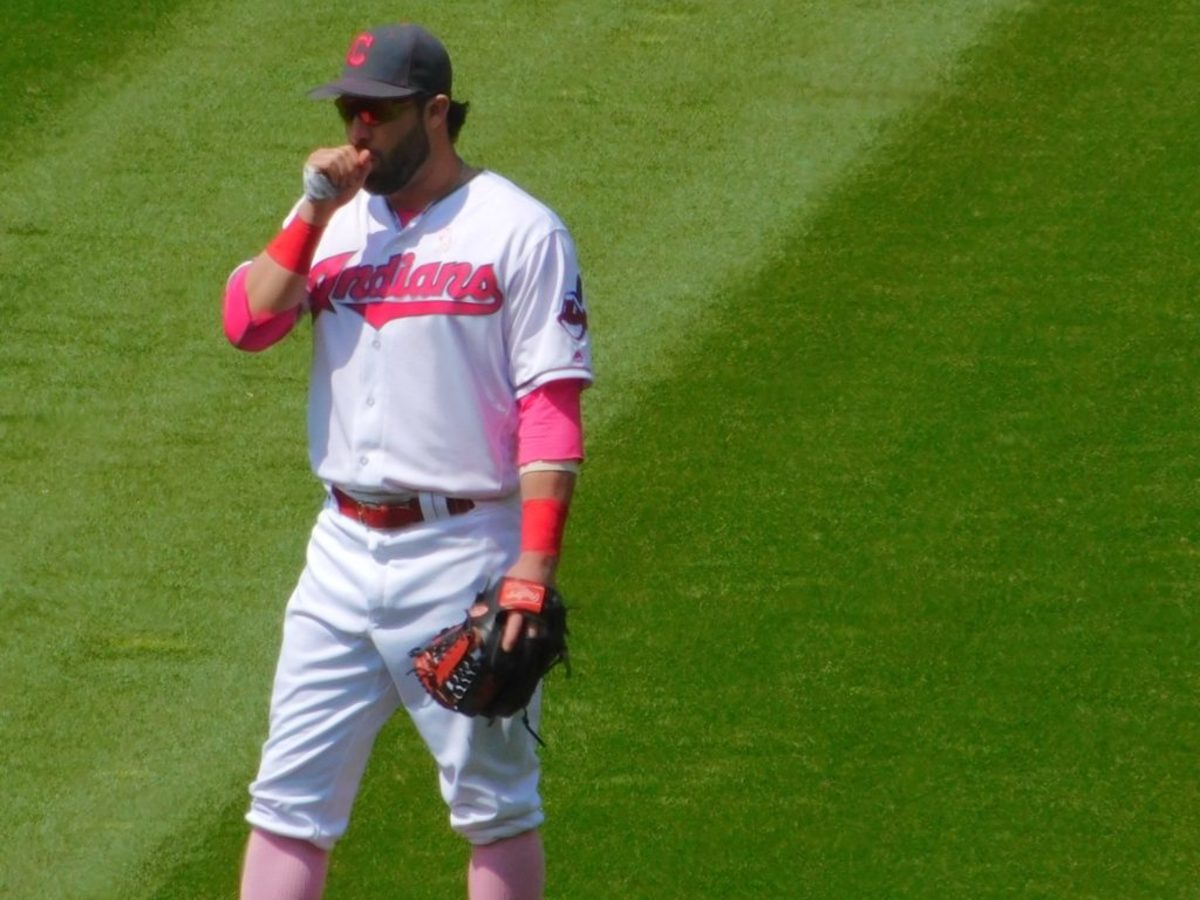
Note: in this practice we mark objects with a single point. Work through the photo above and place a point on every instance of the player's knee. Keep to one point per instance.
(479, 827)
(286, 822)
(284, 845)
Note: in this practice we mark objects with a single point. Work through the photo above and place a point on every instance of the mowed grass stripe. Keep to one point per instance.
(145, 623)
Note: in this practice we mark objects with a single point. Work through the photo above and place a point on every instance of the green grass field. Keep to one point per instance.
(885, 563)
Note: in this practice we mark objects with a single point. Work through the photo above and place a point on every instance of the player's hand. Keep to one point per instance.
(537, 567)
(346, 168)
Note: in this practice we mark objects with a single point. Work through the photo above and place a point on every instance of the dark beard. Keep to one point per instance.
(393, 172)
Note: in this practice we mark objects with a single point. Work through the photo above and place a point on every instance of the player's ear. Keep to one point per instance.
(436, 108)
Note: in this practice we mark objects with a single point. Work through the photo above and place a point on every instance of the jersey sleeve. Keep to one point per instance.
(546, 318)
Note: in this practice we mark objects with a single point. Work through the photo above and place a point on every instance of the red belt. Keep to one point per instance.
(393, 515)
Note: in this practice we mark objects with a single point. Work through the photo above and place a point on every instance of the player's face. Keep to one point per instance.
(394, 132)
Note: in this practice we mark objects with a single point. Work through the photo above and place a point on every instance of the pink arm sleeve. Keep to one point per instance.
(549, 426)
(244, 330)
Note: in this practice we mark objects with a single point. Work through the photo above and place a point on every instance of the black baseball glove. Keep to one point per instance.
(464, 667)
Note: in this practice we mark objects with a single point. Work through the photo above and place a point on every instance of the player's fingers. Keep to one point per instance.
(345, 167)
(353, 167)
(512, 630)
(324, 159)
(360, 168)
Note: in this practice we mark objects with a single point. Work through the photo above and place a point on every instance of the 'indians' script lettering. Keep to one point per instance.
(400, 288)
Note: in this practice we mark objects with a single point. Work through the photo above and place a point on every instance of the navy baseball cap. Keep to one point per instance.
(391, 62)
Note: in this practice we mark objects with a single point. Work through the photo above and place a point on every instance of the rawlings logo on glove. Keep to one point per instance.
(465, 667)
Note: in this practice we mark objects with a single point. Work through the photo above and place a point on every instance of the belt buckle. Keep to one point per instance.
(363, 509)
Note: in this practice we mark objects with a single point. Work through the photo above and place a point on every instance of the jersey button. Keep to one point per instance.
(362, 460)
(376, 343)
(370, 401)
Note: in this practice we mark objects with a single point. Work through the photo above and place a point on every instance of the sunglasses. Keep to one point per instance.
(371, 112)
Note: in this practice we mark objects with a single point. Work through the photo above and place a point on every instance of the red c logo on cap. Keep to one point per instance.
(357, 54)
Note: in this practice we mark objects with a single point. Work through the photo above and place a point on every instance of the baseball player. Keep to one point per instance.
(450, 348)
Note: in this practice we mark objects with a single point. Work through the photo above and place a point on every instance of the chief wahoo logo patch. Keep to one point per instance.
(573, 315)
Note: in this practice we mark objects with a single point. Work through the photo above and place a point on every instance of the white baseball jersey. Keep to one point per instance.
(425, 336)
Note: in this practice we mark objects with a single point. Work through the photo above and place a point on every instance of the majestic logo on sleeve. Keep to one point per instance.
(400, 288)
(573, 315)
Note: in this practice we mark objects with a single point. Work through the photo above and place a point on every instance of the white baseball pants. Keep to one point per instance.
(364, 600)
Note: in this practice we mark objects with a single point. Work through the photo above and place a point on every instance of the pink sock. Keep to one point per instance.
(512, 869)
(283, 868)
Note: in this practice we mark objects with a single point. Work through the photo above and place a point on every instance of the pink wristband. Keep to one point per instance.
(294, 246)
